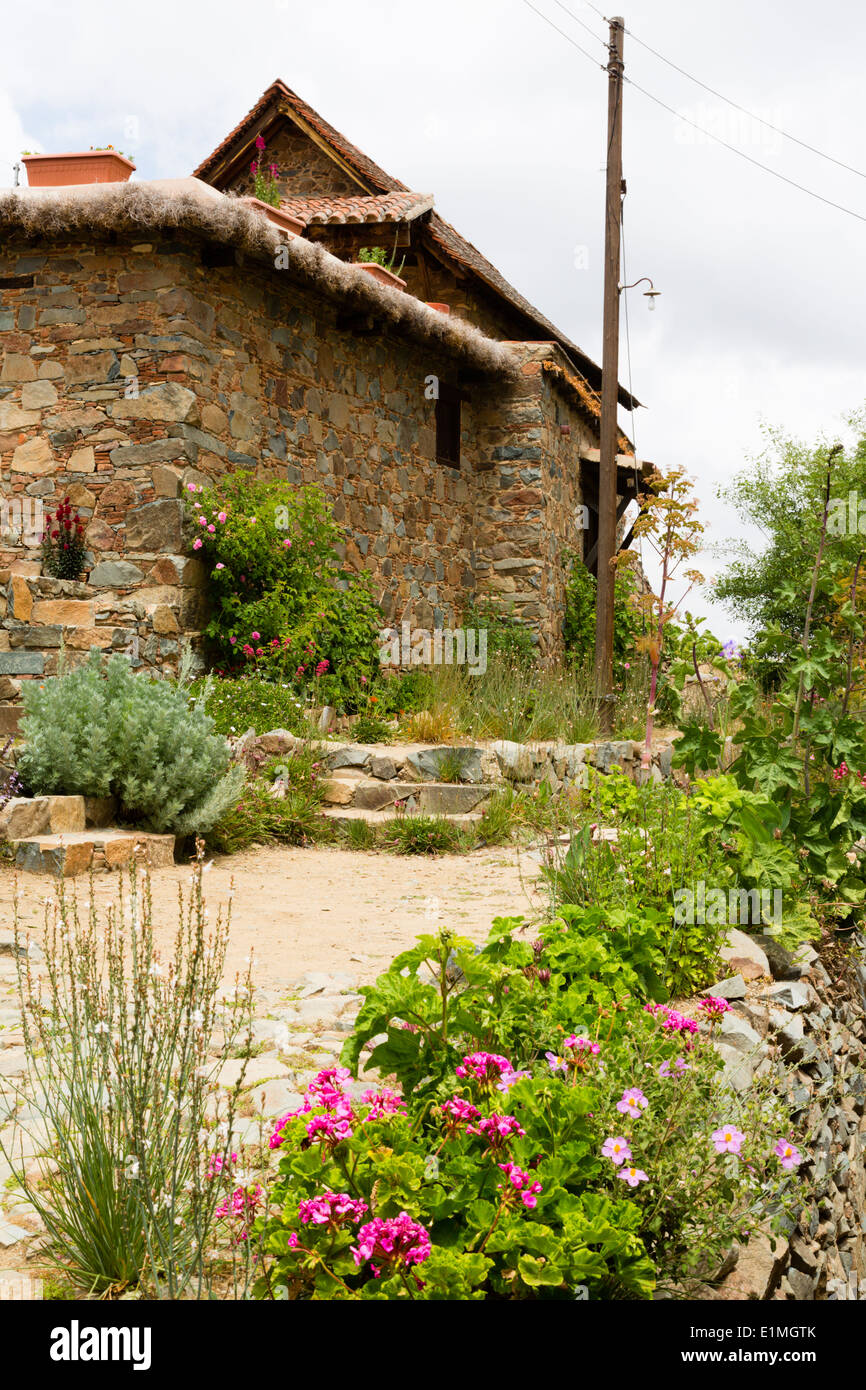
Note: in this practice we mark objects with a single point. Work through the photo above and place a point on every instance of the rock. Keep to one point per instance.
(164, 620)
(782, 964)
(17, 367)
(758, 1270)
(515, 760)
(325, 982)
(326, 719)
(734, 987)
(338, 791)
(36, 395)
(67, 612)
(23, 817)
(383, 768)
(608, 755)
(35, 456)
(791, 995)
(22, 598)
(115, 574)
(428, 763)
(371, 795)
(12, 417)
(277, 1098)
(258, 1069)
(278, 741)
(740, 946)
(739, 1034)
(99, 810)
(350, 756)
(802, 1285)
(738, 1069)
(167, 401)
(155, 527)
(82, 461)
(13, 1061)
(65, 813)
(449, 798)
(10, 1235)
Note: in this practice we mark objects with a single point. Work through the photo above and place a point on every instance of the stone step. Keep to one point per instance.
(385, 817)
(77, 852)
(427, 798)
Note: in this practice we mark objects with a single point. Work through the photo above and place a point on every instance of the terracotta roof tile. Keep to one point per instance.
(446, 237)
(385, 207)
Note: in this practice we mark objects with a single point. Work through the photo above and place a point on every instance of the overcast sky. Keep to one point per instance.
(483, 104)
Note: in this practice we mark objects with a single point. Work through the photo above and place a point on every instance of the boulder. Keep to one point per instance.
(156, 527)
(515, 760)
(742, 948)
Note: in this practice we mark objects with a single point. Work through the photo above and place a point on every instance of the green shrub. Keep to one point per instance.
(283, 604)
(103, 730)
(281, 805)
(238, 703)
(509, 641)
(578, 627)
(369, 728)
(424, 835)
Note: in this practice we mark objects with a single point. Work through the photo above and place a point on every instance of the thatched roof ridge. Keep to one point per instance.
(193, 206)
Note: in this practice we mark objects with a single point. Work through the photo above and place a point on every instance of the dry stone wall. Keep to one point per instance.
(131, 368)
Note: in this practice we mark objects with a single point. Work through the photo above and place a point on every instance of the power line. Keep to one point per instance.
(587, 27)
(840, 207)
(567, 37)
(804, 144)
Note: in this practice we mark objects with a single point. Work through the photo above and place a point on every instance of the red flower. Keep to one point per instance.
(260, 144)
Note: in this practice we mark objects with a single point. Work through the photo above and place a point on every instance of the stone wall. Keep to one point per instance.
(131, 368)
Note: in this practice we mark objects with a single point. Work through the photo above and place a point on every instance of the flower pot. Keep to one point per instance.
(440, 308)
(281, 219)
(379, 272)
(86, 166)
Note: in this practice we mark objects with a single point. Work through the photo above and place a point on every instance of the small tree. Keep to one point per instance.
(668, 520)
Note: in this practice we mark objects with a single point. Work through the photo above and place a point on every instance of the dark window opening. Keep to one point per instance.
(448, 426)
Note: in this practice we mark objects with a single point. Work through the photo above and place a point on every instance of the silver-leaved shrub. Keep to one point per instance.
(104, 730)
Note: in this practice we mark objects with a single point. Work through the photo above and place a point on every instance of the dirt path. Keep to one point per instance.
(323, 909)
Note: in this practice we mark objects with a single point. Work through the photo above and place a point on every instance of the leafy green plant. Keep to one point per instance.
(377, 255)
(63, 543)
(578, 624)
(265, 185)
(413, 834)
(284, 607)
(248, 701)
(282, 804)
(103, 730)
(369, 728)
(509, 641)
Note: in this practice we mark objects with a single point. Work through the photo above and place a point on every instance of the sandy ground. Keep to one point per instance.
(321, 908)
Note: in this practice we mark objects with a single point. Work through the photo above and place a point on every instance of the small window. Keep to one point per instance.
(448, 426)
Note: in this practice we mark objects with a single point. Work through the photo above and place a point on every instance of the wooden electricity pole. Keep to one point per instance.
(610, 379)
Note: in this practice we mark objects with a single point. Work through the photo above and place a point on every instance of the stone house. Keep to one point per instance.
(156, 333)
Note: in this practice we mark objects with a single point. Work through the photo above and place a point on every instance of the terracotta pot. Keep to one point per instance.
(378, 272)
(440, 308)
(87, 166)
(281, 219)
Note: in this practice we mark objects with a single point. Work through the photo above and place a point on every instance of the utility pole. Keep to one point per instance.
(610, 379)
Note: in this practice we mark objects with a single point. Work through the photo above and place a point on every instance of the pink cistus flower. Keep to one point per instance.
(713, 1006)
(197, 543)
(255, 636)
(498, 1130)
(679, 1066)
(397, 1242)
(332, 1208)
(383, 1103)
(728, 1139)
(483, 1066)
(222, 516)
(632, 1176)
(522, 1185)
(508, 1078)
(617, 1150)
(632, 1103)
(788, 1153)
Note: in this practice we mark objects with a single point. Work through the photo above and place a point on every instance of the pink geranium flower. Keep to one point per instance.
(728, 1139)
